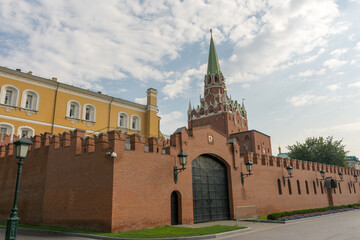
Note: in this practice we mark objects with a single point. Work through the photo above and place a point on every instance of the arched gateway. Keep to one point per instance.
(210, 189)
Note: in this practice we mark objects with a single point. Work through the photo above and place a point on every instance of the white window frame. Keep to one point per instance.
(20, 129)
(94, 112)
(35, 103)
(9, 125)
(68, 109)
(127, 120)
(139, 123)
(14, 98)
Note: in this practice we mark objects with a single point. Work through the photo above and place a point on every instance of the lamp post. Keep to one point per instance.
(22, 149)
(182, 159)
(341, 176)
(322, 173)
(290, 171)
(249, 169)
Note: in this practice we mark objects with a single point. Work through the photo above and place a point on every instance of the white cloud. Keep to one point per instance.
(182, 82)
(308, 99)
(132, 39)
(141, 100)
(357, 47)
(305, 99)
(310, 73)
(333, 87)
(339, 52)
(171, 121)
(334, 63)
(347, 127)
(356, 84)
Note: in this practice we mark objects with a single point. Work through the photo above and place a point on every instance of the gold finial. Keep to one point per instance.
(211, 32)
(243, 99)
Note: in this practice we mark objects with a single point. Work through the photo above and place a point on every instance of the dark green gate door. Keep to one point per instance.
(210, 189)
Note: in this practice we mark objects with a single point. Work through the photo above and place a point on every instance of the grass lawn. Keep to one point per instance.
(262, 218)
(159, 232)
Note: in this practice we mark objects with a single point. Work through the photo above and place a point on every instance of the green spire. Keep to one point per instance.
(213, 62)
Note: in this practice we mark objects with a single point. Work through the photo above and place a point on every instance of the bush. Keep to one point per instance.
(274, 216)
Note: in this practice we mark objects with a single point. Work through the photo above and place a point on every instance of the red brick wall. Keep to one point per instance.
(70, 181)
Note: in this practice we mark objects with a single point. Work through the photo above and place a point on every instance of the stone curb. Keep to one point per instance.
(295, 220)
(217, 235)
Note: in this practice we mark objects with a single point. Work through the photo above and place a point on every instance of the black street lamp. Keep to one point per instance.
(356, 177)
(249, 169)
(290, 171)
(341, 176)
(322, 173)
(22, 149)
(182, 159)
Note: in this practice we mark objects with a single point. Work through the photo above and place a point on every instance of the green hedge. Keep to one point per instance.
(274, 216)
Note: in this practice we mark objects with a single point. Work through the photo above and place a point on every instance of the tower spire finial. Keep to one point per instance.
(213, 62)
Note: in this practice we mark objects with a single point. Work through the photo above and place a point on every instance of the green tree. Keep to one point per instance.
(328, 151)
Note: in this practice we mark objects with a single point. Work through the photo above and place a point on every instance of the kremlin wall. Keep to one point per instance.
(123, 180)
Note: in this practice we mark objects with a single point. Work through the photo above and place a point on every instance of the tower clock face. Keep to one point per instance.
(211, 139)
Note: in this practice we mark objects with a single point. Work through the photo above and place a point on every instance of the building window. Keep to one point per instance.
(289, 186)
(6, 128)
(135, 123)
(307, 187)
(30, 100)
(349, 187)
(322, 190)
(258, 146)
(298, 186)
(123, 120)
(279, 186)
(26, 131)
(354, 188)
(9, 95)
(339, 187)
(73, 109)
(89, 113)
(314, 185)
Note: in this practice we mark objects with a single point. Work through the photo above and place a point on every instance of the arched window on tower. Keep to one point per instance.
(216, 79)
(209, 80)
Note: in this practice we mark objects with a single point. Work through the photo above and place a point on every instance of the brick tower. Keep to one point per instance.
(216, 108)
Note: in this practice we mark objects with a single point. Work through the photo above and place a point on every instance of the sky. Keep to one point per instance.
(296, 63)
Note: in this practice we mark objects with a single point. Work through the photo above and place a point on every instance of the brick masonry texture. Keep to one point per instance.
(69, 180)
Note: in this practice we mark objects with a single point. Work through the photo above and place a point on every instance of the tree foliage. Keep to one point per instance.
(328, 151)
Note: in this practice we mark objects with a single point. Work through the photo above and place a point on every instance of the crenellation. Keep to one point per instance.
(36, 142)
(266, 159)
(65, 140)
(2, 151)
(271, 160)
(55, 141)
(45, 139)
(89, 144)
(256, 158)
(9, 149)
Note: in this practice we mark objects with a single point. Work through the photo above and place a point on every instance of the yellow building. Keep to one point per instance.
(32, 105)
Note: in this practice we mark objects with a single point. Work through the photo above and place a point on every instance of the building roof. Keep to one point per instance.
(213, 62)
(29, 75)
(352, 159)
(283, 155)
